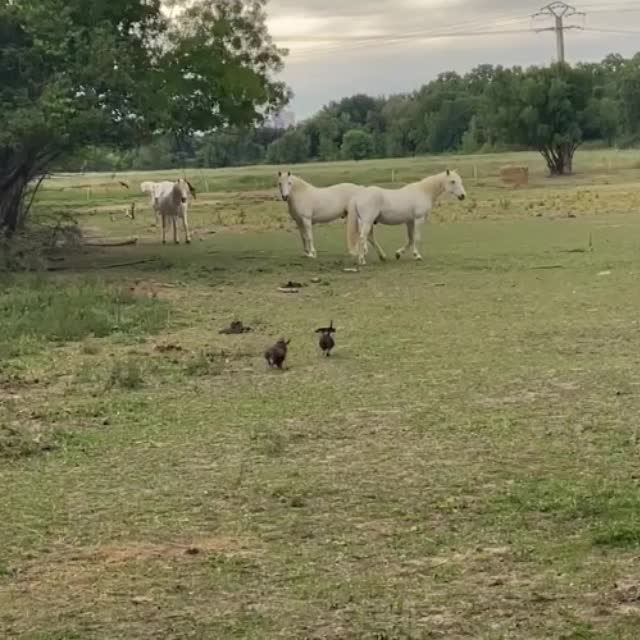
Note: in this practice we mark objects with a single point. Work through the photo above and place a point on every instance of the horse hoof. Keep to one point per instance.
(398, 255)
(383, 258)
(418, 258)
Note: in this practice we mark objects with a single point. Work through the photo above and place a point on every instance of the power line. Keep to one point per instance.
(608, 6)
(487, 22)
(622, 32)
(400, 39)
(414, 36)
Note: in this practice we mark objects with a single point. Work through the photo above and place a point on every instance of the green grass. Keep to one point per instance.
(464, 467)
(38, 311)
(126, 375)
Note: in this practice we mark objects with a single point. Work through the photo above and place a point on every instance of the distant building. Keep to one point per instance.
(282, 120)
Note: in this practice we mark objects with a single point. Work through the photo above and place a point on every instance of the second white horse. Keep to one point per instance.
(408, 205)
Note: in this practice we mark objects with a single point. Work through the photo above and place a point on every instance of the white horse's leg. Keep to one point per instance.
(164, 229)
(411, 230)
(417, 236)
(381, 254)
(185, 226)
(366, 228)
(174, 223)
(308, 232)
(303, 236)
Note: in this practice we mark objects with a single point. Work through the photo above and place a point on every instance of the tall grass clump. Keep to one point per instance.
(37, 311)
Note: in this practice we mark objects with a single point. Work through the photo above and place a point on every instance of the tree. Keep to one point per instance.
(400, 113)
(546, 109)
(357, 145)
(292, 148)
(630, 95)
(448, 125)
(75, 73)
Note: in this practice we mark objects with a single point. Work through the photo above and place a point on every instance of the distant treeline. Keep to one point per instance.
(553, 110)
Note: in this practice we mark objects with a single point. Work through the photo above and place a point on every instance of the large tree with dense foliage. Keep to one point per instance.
(75, 73)
(547, 109)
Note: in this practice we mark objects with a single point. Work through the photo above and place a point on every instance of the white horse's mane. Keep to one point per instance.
(297, 181)
(430, 183)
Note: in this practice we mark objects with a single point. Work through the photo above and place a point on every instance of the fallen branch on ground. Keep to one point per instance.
(106, 266)
(550, 266)
(115, 243)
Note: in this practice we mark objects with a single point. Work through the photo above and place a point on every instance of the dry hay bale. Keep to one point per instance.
(515, 176)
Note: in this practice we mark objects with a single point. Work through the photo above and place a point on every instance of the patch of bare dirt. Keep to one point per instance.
(143, 552)
(70, 566)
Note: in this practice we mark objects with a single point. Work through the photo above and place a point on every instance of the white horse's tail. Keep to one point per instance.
(353, 228)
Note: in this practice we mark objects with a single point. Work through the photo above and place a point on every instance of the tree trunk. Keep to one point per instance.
(559, 159)
(12, 196)
(566, 153)
(16, 195)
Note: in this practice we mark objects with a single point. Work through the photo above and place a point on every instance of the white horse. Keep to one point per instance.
(408, 205)
(157, 190)
(152, 189)
(309, 205)
(171, 201)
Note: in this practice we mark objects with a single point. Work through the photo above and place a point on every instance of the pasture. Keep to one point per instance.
(465, 465)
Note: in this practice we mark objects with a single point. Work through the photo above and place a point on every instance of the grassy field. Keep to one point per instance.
(466, 466)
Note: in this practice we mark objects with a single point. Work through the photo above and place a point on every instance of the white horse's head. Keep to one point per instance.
(453, 185)
(285, 182)
(182, 189)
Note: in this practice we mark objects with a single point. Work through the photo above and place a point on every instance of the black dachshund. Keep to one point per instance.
(276, 355)
(326, 339)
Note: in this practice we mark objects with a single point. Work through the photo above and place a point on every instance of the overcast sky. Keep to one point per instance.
(319, 71)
